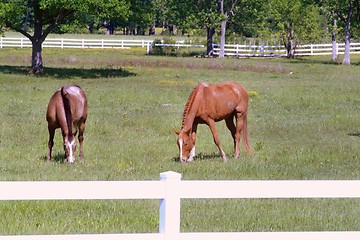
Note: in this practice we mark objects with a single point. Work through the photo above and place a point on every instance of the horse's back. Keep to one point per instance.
(224, 98)
(78, 101)
(78, 105)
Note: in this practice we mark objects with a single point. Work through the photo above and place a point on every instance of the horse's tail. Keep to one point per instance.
(245, 135)
(67, 109)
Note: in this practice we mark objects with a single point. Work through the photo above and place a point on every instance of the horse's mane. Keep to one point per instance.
(189, 102)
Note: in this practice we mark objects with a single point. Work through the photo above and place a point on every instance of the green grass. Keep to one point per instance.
(303, 124)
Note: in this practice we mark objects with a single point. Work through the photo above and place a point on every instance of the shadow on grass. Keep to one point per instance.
(314, 61)
(56, 158)
(354, 134)
(66, 73)
(320, 61)
(201, 157)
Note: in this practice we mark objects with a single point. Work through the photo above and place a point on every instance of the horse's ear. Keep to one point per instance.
(176, 131)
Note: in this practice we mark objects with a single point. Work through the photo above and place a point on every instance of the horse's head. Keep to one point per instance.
(186, 143)
(70, 147)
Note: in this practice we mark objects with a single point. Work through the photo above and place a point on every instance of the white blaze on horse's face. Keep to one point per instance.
(180, 143)
(70, 148)
(186, 147)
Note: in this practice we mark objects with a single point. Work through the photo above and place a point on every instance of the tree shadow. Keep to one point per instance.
(314, 61)
(320, 61)
(66, 73)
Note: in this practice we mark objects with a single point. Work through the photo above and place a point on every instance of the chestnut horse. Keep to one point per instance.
(210, 103)
(67, 109)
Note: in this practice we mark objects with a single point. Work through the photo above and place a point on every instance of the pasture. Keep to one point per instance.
(303, 124)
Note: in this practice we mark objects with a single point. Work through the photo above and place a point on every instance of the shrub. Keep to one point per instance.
(164, 50)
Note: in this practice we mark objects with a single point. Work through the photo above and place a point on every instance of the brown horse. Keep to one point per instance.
(67, 109)
(210, 103)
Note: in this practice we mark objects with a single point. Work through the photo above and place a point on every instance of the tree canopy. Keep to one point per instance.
(290, 21)
(35, 19)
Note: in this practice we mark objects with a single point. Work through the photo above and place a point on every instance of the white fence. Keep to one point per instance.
(237, 50)
(278, 51)
(170, 190)
(75, 43)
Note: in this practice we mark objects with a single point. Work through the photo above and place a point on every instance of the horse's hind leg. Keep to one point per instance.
(215, 134)
(81, 139)
(51, 142)
(231, 126)
(241, 128)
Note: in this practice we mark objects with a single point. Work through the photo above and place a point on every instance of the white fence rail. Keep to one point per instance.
(278, 51)
(170, 190)
(237, 50)
(75, 43)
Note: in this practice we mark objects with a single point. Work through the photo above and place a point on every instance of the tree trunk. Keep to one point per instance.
(222, 39)
(334, 44)
(210, 31)
(36, 58)
(290, 45)
(37, 40)
(223, 29)
(346, 60)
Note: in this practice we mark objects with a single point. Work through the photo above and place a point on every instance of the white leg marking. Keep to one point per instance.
(71, 153)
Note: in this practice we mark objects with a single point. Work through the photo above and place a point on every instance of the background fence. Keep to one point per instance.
(279, 51)
(236, 50)
(75, 43)
(170, 190)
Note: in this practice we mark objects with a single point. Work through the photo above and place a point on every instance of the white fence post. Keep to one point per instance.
(170, 206)
(148, 48)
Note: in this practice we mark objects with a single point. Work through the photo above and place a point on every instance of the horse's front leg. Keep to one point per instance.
(51, 142)
(215, 134)
(193, 139)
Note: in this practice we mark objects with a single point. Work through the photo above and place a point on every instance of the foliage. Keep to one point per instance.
(250, 18)
(335, 10)
(268, 19)
(293, 15)
(164, 50)
(43, 16)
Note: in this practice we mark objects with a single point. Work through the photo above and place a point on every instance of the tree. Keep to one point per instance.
(200, 14)
(348, 11)
(226, 9)
(293, 21)
(40, 17)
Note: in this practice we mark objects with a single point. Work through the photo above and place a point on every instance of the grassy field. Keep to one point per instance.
(303, 124)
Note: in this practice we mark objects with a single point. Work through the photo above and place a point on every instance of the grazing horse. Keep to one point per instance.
(67, 109)
(210, 103)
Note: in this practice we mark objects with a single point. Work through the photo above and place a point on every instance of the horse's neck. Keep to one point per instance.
(192, 109)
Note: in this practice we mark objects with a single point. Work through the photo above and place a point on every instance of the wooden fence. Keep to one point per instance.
(236, 50)
(170, 190)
